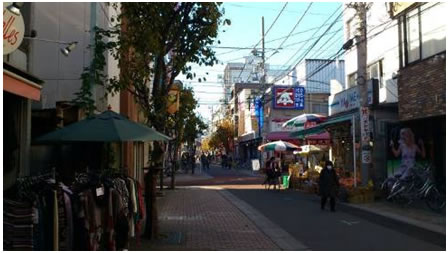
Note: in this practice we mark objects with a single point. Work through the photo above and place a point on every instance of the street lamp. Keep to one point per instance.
(66, 51)
(14, 8)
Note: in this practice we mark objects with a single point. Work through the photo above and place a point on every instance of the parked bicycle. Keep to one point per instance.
(421, 185)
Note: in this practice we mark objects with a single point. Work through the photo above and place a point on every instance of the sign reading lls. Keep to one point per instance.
(13, 30)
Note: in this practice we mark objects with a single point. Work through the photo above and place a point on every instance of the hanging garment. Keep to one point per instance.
(55, 222)
(120, 186)
(17, 225)
(133, 208)
(69, 218)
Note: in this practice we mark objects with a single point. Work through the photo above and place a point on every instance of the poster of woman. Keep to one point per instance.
(408, 150)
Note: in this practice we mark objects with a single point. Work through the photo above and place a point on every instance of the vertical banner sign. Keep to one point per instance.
(173, 101)
(289, 97)
(13, 30)
(259, 114)
(365, 134)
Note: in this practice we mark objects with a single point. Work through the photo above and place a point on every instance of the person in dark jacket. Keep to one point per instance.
(328, 186)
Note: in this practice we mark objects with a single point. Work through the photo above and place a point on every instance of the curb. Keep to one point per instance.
(279, 236)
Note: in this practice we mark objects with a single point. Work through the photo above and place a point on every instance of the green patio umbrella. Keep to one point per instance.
(108, 126)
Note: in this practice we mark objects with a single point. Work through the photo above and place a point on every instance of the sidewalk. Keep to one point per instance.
(193, 218)
(417, 221)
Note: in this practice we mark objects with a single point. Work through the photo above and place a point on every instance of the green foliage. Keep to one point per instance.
(93, 75)
(186, 124)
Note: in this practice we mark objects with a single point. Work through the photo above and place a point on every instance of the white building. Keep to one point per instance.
(67, 22)
(315, 75)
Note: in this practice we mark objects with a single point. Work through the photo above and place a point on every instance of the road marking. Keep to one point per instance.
(350, 222)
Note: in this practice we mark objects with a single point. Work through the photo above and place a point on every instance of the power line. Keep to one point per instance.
(315, 43)
(292, 57)
(269, 41)
(279, 14)
(295, 26)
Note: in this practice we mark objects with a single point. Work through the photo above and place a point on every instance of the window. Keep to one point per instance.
(351, 80)
(376, 71)
(422, 32)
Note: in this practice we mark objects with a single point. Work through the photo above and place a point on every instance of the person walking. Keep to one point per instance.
(328, 186)
(193, 163)
(224, 161)
(204, 162)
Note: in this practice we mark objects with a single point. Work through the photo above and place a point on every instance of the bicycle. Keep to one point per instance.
(420, 185)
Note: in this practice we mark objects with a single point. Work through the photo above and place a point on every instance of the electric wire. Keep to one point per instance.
(275, 20)
(293, 29)
(315, 43)
(294, 55)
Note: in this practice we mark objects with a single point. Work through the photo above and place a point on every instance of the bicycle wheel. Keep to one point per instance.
(435, 200)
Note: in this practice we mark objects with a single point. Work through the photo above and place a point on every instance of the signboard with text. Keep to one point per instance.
(348, 99)
(13, 30)
(289, 97)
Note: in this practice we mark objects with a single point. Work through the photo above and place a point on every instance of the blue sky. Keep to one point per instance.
(245, 31)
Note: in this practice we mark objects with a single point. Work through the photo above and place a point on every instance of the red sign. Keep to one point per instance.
(284, 98)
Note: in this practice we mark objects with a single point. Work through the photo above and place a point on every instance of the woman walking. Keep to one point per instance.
(328, 186)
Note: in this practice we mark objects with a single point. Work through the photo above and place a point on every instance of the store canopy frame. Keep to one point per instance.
(320, 128)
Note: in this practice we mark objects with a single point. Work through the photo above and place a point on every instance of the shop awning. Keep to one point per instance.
(21, 83)
(280, 136)
(320, 129)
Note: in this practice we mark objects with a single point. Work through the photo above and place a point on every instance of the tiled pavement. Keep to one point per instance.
(205, 220)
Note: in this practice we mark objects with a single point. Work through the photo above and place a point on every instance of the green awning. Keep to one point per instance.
(320, 128)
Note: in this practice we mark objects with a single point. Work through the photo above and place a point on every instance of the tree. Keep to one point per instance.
(205, 146)
(185, 124)
(153, 42)
(223, 135)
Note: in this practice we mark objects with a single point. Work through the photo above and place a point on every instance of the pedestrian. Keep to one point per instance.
(209, 160)
(204, 162)
(328, 186)
(224, 161)
(229, 162)
(269, 171)
(193, 162)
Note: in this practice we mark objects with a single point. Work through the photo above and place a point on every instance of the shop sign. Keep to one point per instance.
(398, 7)
(13, 30)
(173, 99)
(318, 142)
(366, 156)
(365, 131)
(348, 99)
(277, 126)
(289, 97)
(255, 164)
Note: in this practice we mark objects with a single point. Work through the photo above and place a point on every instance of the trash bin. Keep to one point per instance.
(285, 181)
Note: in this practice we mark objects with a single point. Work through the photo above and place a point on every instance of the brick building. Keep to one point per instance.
(422, 77)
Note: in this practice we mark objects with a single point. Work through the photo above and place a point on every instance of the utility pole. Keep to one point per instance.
(361, 49)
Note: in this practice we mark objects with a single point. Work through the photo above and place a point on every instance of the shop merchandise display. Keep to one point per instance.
(96, 212)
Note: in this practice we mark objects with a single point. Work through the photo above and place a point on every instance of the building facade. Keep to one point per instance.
(422, 77)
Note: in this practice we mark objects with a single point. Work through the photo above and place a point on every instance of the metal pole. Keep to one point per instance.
(354, 150)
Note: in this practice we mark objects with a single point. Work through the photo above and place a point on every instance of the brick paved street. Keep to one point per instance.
(206, 220)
